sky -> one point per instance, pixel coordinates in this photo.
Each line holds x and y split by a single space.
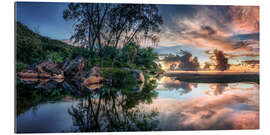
45 15
193 28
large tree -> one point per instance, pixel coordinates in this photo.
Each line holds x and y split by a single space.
219 58
89 21
129 22
98 25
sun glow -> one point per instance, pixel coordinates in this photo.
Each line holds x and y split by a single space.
233 68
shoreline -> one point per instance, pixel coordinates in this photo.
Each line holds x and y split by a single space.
214 77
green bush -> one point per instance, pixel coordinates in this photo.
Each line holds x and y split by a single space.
118 75
54 56
20 66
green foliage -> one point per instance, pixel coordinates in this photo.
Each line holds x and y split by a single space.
56 92
79 51
20 66
28 51
32 47
129 51
54 56
118 76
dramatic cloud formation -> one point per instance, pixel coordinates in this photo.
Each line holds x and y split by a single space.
227 28
182 61
245 19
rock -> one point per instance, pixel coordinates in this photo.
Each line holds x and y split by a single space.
48 67
94 86
44 69
65 63
71 67
94 76
84 79
28 74
138 75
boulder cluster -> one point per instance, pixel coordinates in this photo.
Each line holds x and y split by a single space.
48 74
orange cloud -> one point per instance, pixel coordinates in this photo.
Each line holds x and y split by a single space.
213 27
245 19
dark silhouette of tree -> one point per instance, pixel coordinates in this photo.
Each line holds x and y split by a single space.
220 59
99 25
89 23
206 66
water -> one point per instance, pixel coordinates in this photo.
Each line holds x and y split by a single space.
167 105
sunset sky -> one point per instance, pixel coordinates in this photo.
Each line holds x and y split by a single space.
232 29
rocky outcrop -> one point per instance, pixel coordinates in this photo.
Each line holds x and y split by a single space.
84 79
44 70
71 67
45 75
94 76
48 75
138 75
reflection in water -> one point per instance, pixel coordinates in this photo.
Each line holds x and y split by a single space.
107 108
218 88
181 86
166 105
224 106
221 88
110 112
115 109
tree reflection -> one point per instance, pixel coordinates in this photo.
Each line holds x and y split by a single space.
116 109
218 88
181 86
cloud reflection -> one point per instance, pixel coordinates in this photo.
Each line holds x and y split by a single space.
171 84
224 106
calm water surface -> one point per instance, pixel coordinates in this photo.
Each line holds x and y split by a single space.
167 105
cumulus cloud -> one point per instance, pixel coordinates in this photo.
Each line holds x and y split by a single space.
183 60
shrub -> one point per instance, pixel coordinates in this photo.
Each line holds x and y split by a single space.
20 66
